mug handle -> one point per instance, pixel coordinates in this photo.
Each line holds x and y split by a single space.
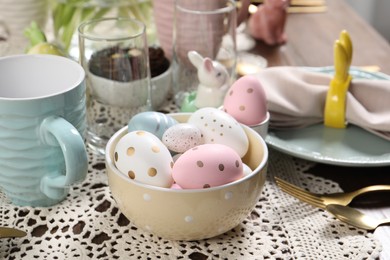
56 131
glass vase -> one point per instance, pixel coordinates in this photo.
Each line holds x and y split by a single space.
67 15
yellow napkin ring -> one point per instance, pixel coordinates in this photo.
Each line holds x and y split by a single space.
335 104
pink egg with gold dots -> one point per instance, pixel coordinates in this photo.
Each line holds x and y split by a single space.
206 166
246 101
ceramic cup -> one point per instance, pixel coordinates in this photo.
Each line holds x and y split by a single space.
42 121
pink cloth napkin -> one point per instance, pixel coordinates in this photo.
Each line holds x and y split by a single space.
296 98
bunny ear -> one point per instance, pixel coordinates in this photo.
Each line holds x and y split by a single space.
208 64
340 61
345 40
195 58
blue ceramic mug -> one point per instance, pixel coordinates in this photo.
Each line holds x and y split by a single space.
42 127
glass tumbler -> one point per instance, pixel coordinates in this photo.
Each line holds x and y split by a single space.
114 55
209 28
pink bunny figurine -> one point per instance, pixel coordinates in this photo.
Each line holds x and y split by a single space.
213 81
268 22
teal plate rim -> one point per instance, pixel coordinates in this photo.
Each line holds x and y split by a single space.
352 146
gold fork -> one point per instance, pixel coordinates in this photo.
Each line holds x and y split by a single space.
321 200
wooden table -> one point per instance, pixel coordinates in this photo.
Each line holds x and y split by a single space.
310 43
311 37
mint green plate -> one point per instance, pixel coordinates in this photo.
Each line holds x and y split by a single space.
352 146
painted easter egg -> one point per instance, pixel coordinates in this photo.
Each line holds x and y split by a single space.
246 101
176 156
176 186
207 165
153 122
142 157
246 170
181 137
219 127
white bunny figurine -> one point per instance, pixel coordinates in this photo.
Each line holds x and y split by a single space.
213 81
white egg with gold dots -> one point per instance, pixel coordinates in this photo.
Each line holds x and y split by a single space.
219 127
142 157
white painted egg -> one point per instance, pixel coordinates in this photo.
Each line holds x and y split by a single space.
153 122
142 157
182 137
207 165
219 127
246 169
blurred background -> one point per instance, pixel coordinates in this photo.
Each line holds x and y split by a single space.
376 13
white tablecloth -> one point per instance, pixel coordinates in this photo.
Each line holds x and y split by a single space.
88 225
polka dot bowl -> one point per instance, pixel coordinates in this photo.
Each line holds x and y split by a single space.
189 214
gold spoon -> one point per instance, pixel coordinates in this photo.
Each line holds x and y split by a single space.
355 217
6 232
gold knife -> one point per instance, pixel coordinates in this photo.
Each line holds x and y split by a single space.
6 232
298 2
296 9
307 9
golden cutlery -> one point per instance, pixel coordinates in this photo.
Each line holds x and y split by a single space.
307 9
7 232
297 6
321 200
297 2
355 218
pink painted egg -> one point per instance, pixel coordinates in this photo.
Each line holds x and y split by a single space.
207 165
176 186
246 101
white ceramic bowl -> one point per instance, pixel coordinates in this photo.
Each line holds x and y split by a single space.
129 94
189 214
161 87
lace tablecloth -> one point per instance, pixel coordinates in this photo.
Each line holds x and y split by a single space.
88 225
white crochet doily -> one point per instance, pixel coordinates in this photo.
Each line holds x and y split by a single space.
88 225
